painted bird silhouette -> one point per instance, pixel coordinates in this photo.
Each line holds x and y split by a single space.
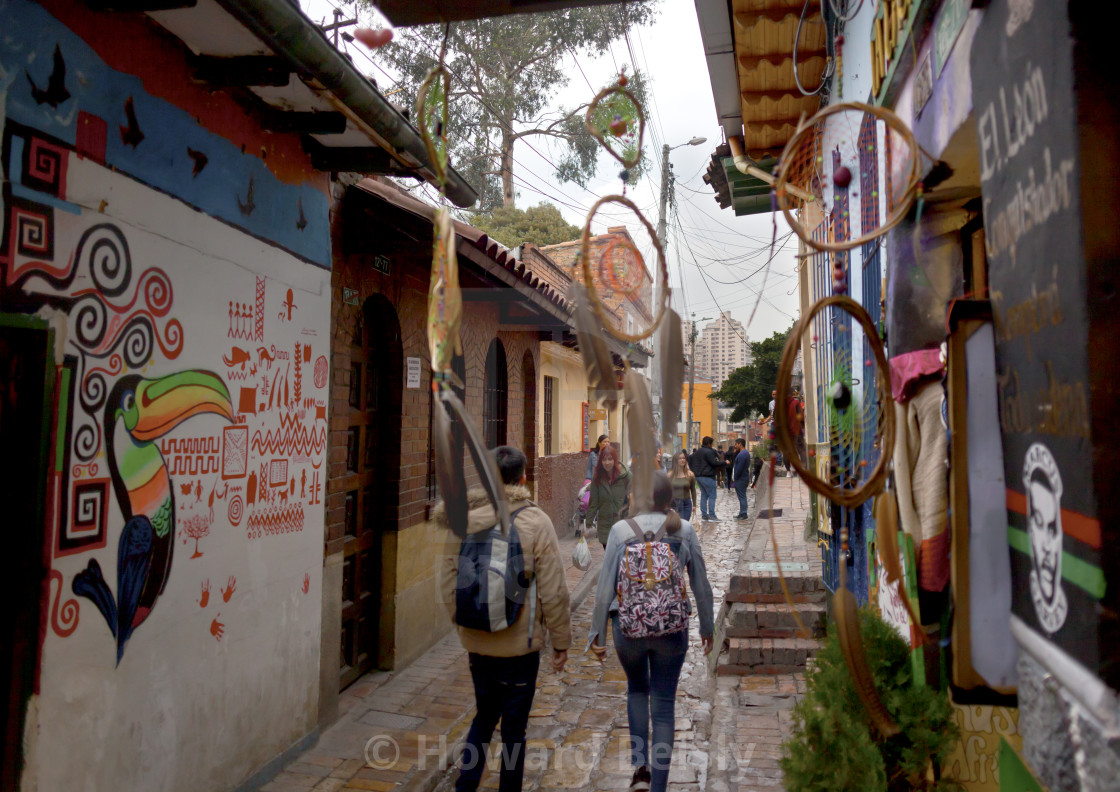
302 222
131 134
137 413
249 205
55 93
200 160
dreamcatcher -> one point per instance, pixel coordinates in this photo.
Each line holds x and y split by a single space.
445 312
616 119
855 425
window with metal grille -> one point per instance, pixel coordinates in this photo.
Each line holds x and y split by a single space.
495 396
549 394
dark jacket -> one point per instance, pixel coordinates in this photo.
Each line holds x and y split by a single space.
705 461
742 465
607 500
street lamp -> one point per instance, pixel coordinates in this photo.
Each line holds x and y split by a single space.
661 237
692 368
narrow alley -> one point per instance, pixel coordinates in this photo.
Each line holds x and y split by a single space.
401 731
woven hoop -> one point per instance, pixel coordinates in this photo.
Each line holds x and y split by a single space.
787 162
848 498
593 295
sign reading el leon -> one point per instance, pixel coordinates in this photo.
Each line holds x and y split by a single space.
1023 95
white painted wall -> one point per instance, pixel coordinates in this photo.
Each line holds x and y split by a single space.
188 708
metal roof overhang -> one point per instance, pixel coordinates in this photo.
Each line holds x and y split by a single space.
300 82
753 40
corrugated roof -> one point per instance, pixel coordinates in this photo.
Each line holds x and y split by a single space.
764 33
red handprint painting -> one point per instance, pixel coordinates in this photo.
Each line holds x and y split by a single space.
231 586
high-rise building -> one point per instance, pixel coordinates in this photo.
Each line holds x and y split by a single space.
721 348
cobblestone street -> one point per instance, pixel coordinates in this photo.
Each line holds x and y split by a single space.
401 731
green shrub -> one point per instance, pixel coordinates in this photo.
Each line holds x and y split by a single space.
834 746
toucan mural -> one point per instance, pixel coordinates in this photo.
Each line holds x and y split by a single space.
137 413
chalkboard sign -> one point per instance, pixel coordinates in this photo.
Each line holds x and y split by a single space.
1023 95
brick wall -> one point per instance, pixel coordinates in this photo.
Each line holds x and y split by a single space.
559 478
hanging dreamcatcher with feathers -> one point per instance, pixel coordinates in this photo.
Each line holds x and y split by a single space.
860 429
445 313
616 119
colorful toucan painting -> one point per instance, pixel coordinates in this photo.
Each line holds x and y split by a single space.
137 413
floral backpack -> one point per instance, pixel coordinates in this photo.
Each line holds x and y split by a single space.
651 595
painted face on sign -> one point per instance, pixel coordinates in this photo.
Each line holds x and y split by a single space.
1046 538
1043 484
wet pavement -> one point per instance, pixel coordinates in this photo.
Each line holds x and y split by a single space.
402 731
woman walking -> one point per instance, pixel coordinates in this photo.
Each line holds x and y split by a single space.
653 663
684 486
593 457
610 488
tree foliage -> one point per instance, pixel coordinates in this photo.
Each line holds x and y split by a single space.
833 747
541 224
747 390
505 72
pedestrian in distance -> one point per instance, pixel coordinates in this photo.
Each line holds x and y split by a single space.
706 463
650 624
593 457
729 458
740 473
796 413
504 657
684 486
610 493
758 457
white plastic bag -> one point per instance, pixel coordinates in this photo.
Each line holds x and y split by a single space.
581 554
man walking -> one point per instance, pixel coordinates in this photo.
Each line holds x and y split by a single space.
706 464
504 663
740 474
796 415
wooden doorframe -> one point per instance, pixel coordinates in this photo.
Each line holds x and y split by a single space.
371 489
24 570
529 416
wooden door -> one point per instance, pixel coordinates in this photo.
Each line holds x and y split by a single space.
26 382
371 492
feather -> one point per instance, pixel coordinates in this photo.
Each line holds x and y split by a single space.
639 419
445 301
886 533
600 370
672 373
846 613
484 462
448 448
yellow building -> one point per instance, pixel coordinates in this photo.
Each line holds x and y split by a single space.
704 414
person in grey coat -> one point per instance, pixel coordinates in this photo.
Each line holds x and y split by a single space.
653 664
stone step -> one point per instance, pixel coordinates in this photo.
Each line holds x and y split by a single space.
764 586
773 620
743 656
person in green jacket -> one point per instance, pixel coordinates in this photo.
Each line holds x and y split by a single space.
610 491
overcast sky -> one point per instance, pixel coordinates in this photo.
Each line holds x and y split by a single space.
719 257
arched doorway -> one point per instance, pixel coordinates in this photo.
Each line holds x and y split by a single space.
529 414
495 396
371 486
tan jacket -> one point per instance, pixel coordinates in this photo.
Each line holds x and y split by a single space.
542 558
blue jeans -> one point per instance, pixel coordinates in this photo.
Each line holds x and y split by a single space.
683 507
653 668
503 690
707 497
741 491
